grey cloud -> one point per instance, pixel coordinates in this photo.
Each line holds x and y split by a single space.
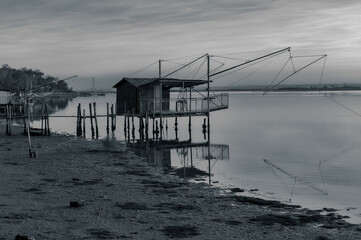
102 37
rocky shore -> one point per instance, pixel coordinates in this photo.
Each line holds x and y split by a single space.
78 189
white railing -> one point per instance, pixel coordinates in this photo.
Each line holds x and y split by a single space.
176 105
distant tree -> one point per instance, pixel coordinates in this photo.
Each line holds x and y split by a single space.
16 80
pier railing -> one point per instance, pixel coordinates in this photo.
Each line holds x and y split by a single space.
184 106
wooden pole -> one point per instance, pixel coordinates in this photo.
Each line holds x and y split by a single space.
146 125
31 150
91 119
128 121
208 99
114 119
108 118
153 127
133 128
140 127
156 129
204 129
77 121
96 121
78 128
28 130
84 123
176 124
190 117
10 116
45 123
208 124
47 130
42 119
161 111
7 119
125 122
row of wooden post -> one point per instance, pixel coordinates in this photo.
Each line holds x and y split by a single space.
129 127
80 123
10 115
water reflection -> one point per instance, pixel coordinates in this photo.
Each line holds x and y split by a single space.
278 171
309 137
181 157
54 105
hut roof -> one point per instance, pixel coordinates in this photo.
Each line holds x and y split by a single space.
167 82
136 82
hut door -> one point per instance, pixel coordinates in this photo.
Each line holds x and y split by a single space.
157 96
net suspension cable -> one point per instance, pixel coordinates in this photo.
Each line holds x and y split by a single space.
284 79
257 70
244 66
331 98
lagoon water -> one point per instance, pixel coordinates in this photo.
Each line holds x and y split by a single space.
298 148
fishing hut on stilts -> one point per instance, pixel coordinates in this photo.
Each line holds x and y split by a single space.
149 99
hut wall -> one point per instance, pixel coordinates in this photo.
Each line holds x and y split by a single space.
146 99
4 97
166 98
126 98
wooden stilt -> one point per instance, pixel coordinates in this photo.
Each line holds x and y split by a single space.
7 119
96 121
84 123
47 130
91 119
161 127
176 128
190 128
156 130
113 118
204 128
107 117
45 123
140 128
128 128
42 124
133 127
125 125
10 118
78 122
146 125
153 128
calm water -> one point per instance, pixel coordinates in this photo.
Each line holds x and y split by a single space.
298 148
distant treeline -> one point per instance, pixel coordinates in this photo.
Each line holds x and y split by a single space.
16 80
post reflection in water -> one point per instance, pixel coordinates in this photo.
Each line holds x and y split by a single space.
180 158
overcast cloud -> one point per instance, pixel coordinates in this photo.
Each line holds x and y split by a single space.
108 39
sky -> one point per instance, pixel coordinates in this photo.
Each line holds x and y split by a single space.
110 39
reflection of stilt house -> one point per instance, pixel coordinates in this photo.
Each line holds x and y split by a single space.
159 153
